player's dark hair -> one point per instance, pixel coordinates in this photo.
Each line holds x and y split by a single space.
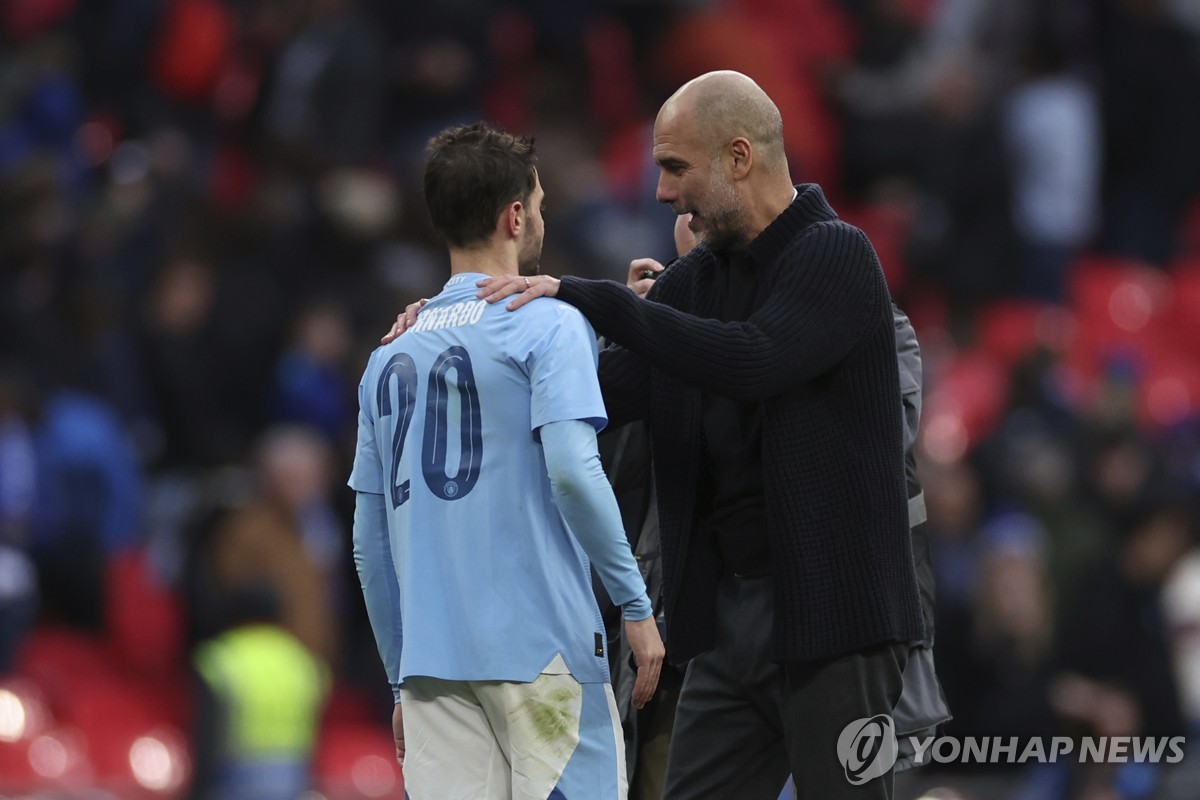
473 172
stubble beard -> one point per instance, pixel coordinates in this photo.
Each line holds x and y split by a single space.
723 227
530 261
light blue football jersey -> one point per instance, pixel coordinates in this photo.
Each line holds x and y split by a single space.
489 581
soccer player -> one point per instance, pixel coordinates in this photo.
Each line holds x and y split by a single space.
480 501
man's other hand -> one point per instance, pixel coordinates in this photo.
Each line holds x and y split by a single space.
638 280
404 321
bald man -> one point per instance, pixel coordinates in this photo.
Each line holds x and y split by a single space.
765 363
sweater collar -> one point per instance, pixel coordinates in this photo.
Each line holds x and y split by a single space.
808 207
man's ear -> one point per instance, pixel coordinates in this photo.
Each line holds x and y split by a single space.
513 219
742 153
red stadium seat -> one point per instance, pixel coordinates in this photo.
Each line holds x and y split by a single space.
26 19
24 713
1122 308
357 761
1183 320
87 725
55 760
192 47
61 661
1010 330
141 762
814 32
1145 322
1119 294
145 619
1169 390
347 706
963 405
130 741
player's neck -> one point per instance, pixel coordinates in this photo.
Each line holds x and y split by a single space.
487 261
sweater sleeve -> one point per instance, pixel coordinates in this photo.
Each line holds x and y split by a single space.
827 291
625 383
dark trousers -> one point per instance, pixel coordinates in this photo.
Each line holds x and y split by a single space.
744 721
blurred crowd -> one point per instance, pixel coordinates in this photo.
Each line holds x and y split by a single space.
210 210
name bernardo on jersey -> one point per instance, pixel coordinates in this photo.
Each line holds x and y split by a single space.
467 312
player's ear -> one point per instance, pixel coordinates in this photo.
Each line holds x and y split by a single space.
513 219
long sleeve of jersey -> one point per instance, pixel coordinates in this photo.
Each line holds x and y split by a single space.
585 498
377 574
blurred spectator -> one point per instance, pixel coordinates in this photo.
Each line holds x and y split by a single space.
18 488
207 343
325 106
962 237
1115 643
953 499
183 378
1031 462
258 703
312 386
973 40
440 62
1052 134
1118 677
998 659
88 501
45 107
1123 467
1152 122
1181 603
928 114
286 539
880 143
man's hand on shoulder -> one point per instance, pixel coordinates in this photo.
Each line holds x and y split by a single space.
497 288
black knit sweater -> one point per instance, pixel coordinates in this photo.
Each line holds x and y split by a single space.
819 356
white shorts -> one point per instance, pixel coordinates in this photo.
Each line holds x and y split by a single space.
495 740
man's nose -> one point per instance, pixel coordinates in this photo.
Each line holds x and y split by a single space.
665 193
